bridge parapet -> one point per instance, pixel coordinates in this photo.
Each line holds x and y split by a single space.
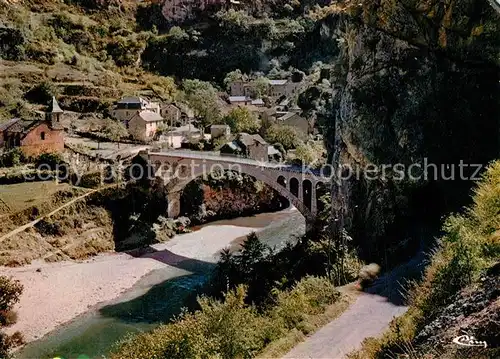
295 183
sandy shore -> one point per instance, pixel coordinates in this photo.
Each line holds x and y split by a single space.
55 293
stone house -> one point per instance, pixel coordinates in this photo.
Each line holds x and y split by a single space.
293 119
250 146
283 88
128 107
217 131
143 125
277 88
34 137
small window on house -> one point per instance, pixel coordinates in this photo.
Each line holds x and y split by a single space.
42 136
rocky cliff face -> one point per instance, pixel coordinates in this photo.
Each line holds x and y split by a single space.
475 311
415 82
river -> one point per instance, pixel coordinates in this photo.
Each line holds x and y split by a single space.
159 295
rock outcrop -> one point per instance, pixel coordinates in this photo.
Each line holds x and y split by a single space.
416 84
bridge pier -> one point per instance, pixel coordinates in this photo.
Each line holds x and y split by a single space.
174 204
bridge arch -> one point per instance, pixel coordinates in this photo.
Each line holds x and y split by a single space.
294 186
282 181
175 184
307 193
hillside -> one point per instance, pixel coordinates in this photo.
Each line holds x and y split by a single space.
390 83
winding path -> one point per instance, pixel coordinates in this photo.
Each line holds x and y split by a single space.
369 316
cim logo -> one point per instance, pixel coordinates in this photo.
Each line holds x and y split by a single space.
469 341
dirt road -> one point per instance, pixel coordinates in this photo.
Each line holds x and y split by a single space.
367 317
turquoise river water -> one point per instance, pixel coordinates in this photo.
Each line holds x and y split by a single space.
153 300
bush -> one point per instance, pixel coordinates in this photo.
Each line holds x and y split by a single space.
12 158
48 228
90 180
42 93
309 297
286 135
230 328
50 160
10 292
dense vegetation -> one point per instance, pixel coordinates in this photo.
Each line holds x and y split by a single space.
470 245
231 328
10 292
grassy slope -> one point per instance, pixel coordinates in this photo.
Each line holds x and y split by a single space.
76 52
470 245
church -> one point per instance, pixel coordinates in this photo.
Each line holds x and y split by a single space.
34 137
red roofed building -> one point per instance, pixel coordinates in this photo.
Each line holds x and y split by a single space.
34 137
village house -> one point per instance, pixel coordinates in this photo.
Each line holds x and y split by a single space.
293 119
277 88
128 107
179 136
218 131
170 112
251 146
34 137
283 88
304 126
143 125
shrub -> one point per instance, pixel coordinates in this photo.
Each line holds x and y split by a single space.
12 158
90 180
230 328
467 247
286 135
10 292
42 93
310 296
368 273
52 160
48 228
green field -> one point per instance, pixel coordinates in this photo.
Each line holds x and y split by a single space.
16 197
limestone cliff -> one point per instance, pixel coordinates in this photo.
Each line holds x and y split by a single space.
415 80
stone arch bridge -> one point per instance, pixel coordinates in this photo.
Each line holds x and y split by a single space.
177 168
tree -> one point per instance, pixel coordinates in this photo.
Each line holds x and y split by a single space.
114 130
163 87
232 76
241 119
305 154
261 86
202 97
286 135
10 292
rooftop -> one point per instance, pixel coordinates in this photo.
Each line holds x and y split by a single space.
248 139
150 116
286 116
271 151
54 106
238 99
277 82
133 99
